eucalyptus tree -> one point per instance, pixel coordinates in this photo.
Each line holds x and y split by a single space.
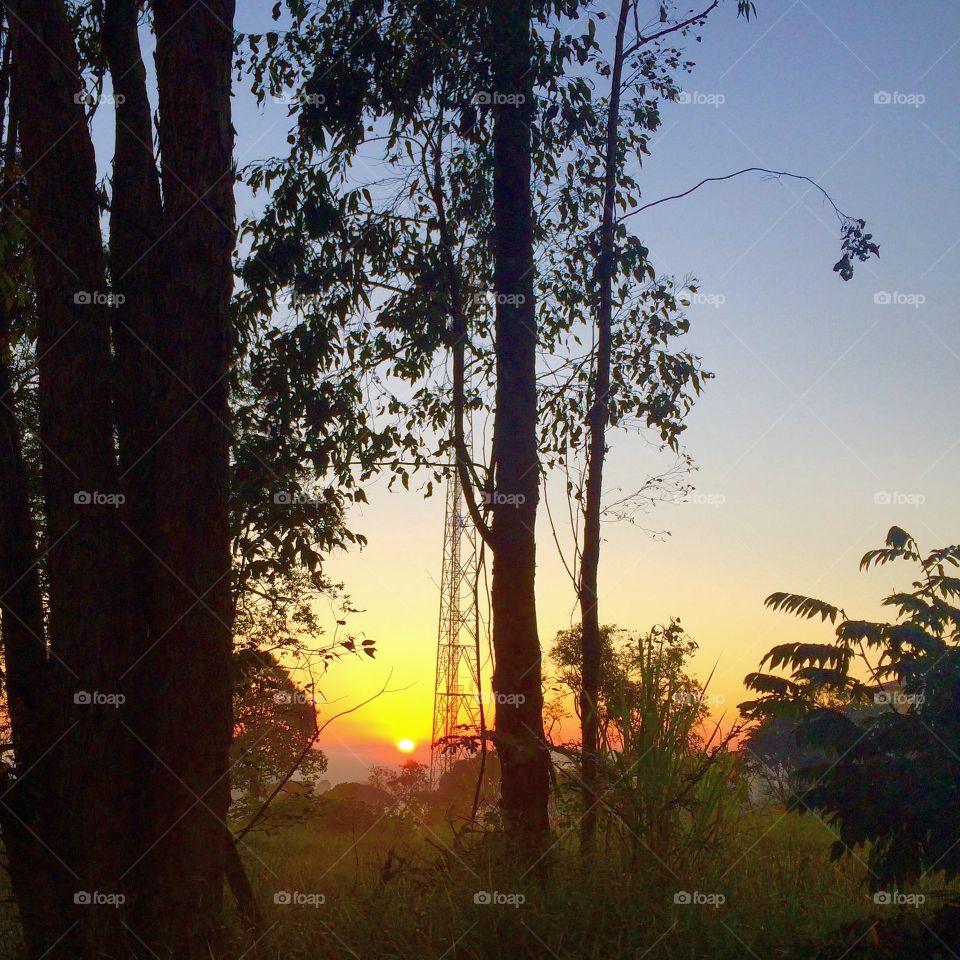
601 274
397 271
450 247
630 376
521 748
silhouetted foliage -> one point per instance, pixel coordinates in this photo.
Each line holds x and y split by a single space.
274 720
890 782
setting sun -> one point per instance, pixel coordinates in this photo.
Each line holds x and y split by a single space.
406 746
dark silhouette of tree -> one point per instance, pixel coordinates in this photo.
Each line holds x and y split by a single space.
521 748
484 183
274 719
646 380
409 786
120 701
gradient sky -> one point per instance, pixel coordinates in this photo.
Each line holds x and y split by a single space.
825 401
823 398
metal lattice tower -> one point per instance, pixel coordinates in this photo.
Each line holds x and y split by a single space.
456 703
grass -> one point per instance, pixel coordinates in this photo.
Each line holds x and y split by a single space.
397 890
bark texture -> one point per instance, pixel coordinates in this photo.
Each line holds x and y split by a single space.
125 800
524 758
188 658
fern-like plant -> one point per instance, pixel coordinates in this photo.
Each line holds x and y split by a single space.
882 703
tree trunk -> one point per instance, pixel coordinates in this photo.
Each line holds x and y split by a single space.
82 770
135 215
242 889
189 659
597 419
168 572
21 610
521 748
134 256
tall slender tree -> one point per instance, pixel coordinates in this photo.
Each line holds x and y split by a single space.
612 155
647 380
521 748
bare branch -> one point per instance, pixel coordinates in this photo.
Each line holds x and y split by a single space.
682 25
777 174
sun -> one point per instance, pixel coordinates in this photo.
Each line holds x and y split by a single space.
406 746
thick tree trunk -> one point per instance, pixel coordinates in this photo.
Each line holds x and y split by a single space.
135 224
169 570
21 606
521 747
189 657
598 418
22 629
82 770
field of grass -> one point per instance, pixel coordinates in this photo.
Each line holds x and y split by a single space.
403 890
396 889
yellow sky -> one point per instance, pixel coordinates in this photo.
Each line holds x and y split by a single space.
722 560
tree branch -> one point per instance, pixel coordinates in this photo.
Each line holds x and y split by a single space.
773 173
643 41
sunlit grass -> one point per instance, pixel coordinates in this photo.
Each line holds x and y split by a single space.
398 890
